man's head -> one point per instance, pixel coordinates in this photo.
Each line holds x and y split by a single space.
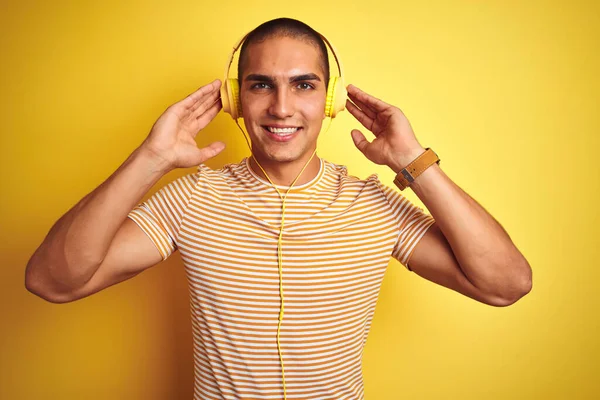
283 71
284 27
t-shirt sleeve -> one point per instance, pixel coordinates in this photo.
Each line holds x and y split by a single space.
412 221
160 216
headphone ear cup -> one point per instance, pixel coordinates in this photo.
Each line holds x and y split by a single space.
225 96
335 101
230 98
235 97
329 97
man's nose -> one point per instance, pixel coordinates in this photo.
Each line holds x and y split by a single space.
281 104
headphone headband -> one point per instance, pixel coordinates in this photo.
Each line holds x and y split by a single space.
239 43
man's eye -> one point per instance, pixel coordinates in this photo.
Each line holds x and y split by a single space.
260 85
305 86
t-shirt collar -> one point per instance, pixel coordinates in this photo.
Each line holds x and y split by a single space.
305 186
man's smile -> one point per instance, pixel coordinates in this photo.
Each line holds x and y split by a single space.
281 133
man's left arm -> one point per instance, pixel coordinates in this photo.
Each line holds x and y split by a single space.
466 249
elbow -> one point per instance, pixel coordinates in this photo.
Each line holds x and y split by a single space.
40 288
520 286
54 298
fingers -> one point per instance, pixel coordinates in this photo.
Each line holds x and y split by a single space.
201 106
363 107
193 155
200 94
209 113
359 140
369 101
210 151
360 115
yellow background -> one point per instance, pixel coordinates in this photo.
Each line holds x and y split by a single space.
506 92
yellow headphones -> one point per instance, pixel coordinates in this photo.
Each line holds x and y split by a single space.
334 102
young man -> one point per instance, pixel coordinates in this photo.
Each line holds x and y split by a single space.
324 267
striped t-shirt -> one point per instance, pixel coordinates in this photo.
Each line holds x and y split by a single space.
339 234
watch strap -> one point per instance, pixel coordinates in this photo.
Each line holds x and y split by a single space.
408 174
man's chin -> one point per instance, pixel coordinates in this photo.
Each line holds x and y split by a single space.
278 156
281 158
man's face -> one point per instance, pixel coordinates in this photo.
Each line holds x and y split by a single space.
283 99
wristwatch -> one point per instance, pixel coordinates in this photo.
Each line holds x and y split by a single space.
407 175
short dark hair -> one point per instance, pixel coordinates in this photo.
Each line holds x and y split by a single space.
284 27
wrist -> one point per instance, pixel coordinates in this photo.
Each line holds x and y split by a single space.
154 161
407 175
400 161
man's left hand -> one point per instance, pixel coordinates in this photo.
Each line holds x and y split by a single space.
395 144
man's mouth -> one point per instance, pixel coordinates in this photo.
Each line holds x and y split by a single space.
281 134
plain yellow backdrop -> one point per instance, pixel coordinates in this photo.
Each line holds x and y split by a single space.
506 92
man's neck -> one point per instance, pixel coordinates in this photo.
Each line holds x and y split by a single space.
284 173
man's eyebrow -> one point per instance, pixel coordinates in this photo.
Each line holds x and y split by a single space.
259 78
305 77
270 79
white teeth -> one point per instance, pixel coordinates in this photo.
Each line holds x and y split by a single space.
282 131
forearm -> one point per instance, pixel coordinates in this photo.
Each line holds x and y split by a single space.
483 249
78 242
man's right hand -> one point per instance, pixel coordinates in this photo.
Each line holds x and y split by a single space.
94 245
172 138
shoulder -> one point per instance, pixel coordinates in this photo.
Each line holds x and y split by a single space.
226 171
369 188
227 180
340 172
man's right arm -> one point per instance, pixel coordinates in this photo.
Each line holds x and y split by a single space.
96 232
94 245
